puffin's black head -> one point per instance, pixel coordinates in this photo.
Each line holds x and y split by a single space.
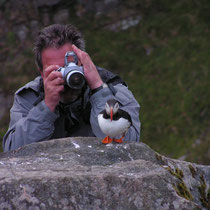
111 107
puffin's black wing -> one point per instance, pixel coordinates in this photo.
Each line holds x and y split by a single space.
122 114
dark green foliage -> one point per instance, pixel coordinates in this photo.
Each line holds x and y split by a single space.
171 83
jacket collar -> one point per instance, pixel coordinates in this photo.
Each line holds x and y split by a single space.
36 85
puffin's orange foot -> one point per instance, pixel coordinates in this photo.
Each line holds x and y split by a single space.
107 140
119 140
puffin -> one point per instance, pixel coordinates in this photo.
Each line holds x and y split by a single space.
113 122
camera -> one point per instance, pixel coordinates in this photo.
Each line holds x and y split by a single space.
72 74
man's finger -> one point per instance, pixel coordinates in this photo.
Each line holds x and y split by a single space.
49 69
58 81
54 75
76 49
83 56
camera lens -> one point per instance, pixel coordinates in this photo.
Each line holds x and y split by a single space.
76 80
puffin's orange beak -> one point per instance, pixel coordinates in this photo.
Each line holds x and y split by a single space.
111 114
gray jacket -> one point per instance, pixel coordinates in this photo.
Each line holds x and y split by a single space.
32 121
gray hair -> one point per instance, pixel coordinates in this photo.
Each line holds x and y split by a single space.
56 36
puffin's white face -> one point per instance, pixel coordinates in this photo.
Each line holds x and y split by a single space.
111 110
115 108
107 107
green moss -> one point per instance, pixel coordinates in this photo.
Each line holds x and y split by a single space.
204 198
181 188
160 159
177 173
192 170
183 191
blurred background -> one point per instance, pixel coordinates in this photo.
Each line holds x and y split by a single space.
160 48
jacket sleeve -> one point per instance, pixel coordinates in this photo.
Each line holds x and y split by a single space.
28 123
128 104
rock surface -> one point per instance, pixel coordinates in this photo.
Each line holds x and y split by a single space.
81 173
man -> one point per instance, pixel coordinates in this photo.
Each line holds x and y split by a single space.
47 108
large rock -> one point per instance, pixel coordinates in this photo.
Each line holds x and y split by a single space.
81 173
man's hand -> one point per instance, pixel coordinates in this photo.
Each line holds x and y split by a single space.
53 86
91 74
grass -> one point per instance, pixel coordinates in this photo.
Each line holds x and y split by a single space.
171 83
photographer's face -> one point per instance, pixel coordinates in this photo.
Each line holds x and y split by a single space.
55 56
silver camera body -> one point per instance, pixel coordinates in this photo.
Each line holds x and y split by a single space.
72 74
